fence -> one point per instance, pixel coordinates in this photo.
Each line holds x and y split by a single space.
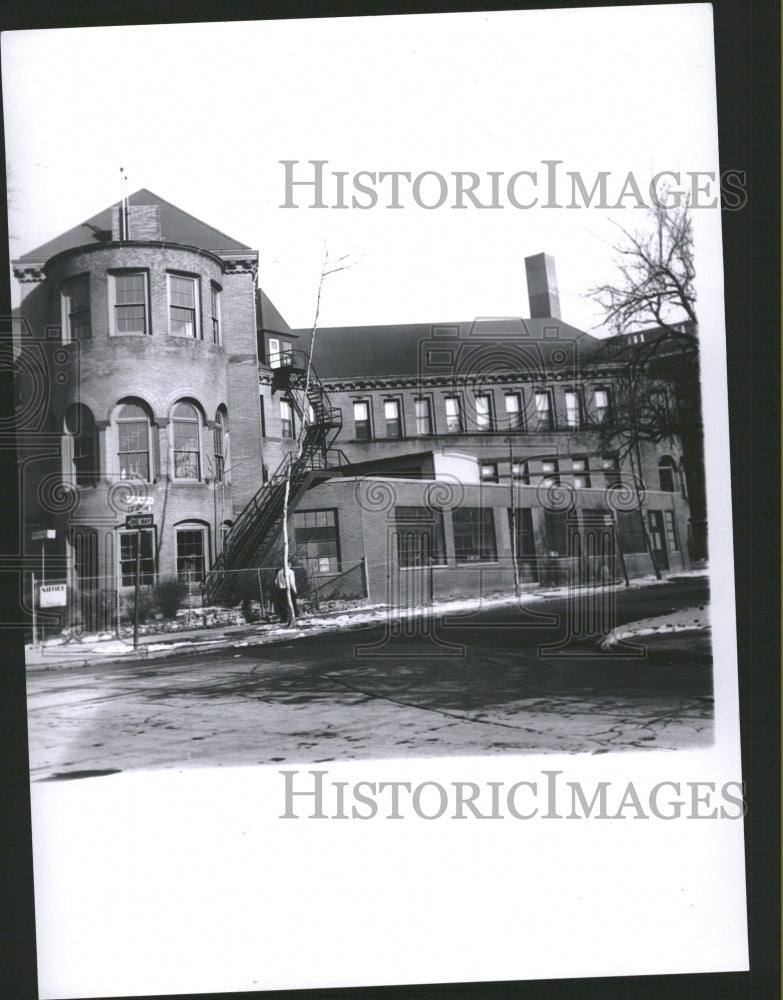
245 586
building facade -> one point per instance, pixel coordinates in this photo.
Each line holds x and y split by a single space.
151 379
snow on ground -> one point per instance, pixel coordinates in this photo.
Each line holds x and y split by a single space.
684 620
107 645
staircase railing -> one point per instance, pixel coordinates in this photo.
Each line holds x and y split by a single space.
257 527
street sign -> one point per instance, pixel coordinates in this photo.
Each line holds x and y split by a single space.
139 505
52 595
46 534
138 521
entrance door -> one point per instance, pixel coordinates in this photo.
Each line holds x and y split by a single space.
658 539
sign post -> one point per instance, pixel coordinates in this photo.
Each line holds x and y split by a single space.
35 630
137 521
42 536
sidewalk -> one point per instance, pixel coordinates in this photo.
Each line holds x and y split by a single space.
106 648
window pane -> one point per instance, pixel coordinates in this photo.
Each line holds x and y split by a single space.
128 549
130 319
483 413
474 534
556 532
183 291
361 416
133 444
671 531
453 421
190 554
630 531
317 540
286 418
391 410
420 537
423 420
187 451
129 289
513 410
572 409
666 474
543 411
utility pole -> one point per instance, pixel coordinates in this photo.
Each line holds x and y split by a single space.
514 545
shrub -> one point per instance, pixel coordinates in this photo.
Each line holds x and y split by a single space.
169 593
147 605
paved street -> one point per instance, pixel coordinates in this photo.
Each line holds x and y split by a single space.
491 690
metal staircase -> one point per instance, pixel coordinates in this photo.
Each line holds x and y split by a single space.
258 526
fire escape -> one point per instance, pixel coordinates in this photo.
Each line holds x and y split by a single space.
258 527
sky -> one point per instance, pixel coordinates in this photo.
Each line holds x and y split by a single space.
203 115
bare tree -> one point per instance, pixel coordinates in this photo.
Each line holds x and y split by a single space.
328 268
653 357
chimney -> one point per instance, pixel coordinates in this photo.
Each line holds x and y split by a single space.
542 287
143 223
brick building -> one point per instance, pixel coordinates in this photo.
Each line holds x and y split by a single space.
155 376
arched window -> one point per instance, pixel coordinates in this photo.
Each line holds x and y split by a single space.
187 441
666 469
80 424
220 444
133 442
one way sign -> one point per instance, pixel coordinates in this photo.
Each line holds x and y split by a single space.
138 521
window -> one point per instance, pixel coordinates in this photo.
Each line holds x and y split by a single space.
489 472
513 410
129 292
423 416
317 540
190 554
474 535
610 465
556 532
666 469
129 546
630 531
520 471
187 450
581 469
671 531
80 425
219 437
286 418
76 308
420 537
183 297
453 415
543 402
550 472
572 409
262 415
133 442
601 403
281 352
483 413
215 303
391 412
361 419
